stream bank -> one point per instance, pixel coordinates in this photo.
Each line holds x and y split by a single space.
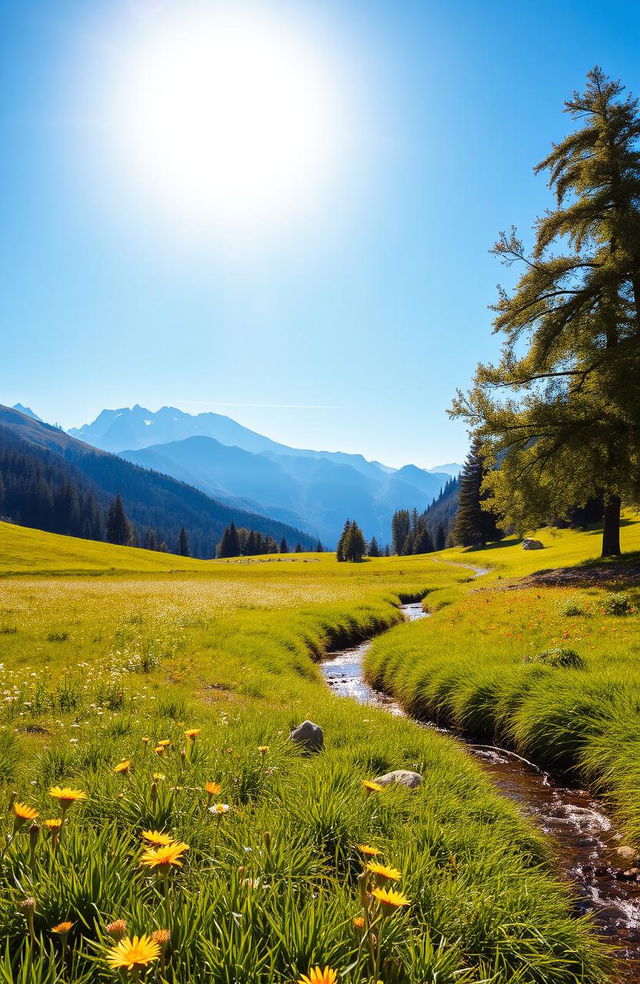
584 838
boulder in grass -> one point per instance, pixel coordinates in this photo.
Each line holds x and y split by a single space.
403 777
529 544
308 736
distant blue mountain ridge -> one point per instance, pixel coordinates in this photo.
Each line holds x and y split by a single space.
314 490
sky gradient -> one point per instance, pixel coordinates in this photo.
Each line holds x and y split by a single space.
346 327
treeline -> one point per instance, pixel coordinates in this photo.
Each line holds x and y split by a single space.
420 533
242 542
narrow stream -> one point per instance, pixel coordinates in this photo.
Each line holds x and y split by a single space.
585 840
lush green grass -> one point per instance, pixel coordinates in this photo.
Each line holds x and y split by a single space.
92 665
475 666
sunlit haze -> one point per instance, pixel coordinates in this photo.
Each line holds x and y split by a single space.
224 114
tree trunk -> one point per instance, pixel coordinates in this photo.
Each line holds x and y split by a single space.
611 527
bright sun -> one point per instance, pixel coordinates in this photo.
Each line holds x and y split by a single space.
225 115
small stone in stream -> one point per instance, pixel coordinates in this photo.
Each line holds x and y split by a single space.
308 736
401 776
627 853
530 544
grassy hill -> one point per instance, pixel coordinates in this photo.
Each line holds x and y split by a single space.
103 670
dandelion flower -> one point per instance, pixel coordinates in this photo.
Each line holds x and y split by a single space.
146 741
66 796
158 777
159 749
371 786
219 808
117 930
263 749
123 767
164 742
367 850
157 837
383 871
164 857
133 953
63 928
390 901
358 923
192 733
212 788
319 976
54 824
23 812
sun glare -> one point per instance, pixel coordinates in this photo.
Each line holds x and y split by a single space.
225 115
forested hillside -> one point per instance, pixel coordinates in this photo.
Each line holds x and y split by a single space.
52 482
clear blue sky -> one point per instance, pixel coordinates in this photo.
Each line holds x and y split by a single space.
345 327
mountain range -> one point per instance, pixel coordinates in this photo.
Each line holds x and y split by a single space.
55 482
313 490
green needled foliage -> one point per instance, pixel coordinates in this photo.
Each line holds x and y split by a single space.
559 414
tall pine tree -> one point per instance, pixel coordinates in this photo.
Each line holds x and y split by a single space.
475 525
119 529
560 413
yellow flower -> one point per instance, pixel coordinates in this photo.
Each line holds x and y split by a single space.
192 733
157 837
372 787
319 976
159 749
158 777
66 796
164 742
53 824
370 852
383 871
164 857
358 923
63 928
133 953
24 812
123 766
390 901
212 788
146 740
263 749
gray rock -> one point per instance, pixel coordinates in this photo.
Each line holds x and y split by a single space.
308 736
401 776
532 545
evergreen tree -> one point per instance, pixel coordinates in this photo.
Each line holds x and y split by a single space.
319 547
284 546
271 546
119 528
422 543
400 529
298 548
373 549
183 544
407 546
475 525
250 545
341 542
354 546
559 413
441 537
387 550
229 545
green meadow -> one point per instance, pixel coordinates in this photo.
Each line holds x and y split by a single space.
136 679
552 672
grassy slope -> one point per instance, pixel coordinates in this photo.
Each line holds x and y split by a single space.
93 665
472 666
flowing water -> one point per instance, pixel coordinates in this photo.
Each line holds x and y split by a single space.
584 837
